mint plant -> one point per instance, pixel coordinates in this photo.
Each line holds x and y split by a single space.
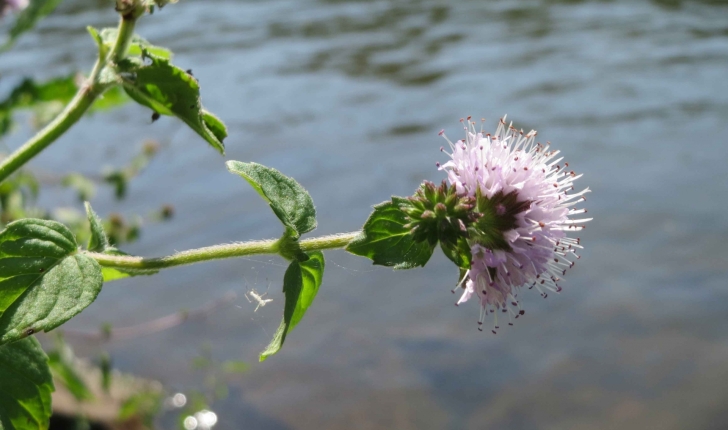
503 217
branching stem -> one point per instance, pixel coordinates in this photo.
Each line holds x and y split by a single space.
84 98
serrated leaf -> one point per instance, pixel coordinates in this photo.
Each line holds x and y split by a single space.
28 17
25 386
289 200
44 281
169 90
300 286
387 242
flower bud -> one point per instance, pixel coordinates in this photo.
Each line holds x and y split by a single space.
438 213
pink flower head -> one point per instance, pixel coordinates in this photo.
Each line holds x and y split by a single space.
523 192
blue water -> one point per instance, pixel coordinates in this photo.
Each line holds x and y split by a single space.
348 97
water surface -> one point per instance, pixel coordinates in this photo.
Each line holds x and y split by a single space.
348 97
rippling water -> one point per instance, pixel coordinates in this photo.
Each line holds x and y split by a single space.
347 97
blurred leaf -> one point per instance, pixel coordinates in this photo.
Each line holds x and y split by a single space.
108 38
289 200
106 375
44 281
144 406
387 242
17 193
169 90
62 364
47 99
111 98
159 3
201 362
28 17
300 286
118 180
29 94
235 367
82 185
25 386
103 49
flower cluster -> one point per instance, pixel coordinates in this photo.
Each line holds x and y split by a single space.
522 197
439 214
7 6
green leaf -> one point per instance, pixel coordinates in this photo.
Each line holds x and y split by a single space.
108 36
233 367
103 49
169 90
387 242
84 186
300 286
62 362
98 241
44 281
289 200
458 253
142 406
159 3
47 99
28 17
25 386
106 374
111 98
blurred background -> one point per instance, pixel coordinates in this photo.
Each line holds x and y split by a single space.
347 97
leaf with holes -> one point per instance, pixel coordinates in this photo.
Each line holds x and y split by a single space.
44 281
300 286
25 386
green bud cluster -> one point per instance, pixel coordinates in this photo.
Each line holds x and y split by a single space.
438 213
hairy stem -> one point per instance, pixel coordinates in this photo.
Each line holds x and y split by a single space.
84 98
219 252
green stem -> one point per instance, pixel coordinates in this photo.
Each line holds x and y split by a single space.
123 39
219 252
75 109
